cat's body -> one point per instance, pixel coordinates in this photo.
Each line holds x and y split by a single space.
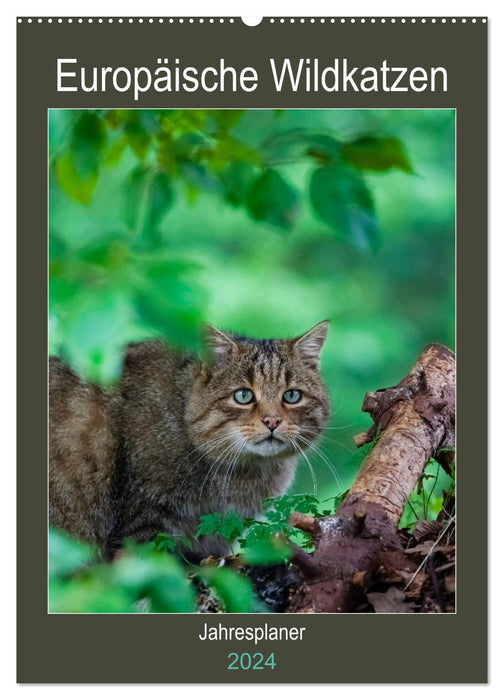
179 439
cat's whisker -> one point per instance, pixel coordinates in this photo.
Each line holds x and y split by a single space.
312 471
316 433
231 468
329 427
205 449
324 457
215 466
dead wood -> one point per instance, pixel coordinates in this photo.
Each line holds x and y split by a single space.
359 546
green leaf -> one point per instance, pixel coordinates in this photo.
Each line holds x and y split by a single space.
156 575
285 146
72 183
67 554
270 198
292 145
343 201
266 552
165 542
97 325
88 595
377 153
234 590
229 525
236 179
88 142
137 138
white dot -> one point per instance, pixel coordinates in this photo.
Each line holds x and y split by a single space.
373 20
433 21
80 20
221 20
403 20
151 20
191 21
393 20
484 21
181 21
120 20
201 20
140 21
424 20
161 20
231 21
333 20
322 21
29 21
39 21
170 20
130 20
272 21
90 21
312 20
282 20
352 21
443 20
342 20
454 20
464 21
60 20
292 20
383 20
413 20
100 21
211 20
302 20
70 20
363 20
474 21
50 20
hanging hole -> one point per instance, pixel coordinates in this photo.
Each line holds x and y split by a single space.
251 21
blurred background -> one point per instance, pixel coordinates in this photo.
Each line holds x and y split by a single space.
262 222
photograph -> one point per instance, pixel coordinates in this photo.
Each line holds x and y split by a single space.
251 368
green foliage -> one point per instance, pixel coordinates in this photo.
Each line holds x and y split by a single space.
270 198
79 584
234 590
378 153
105 289
67 555
429 496
228 525
342 199
150 578
266 541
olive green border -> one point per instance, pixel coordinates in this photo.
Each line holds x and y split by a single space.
337 648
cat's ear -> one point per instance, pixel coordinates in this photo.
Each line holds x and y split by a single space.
218 342
309 345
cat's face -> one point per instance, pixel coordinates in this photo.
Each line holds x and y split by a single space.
259 397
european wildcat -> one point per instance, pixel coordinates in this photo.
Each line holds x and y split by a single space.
180 438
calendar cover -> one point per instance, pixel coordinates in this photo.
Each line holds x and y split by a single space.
252 337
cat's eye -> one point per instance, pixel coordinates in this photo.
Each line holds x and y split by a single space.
244 396
292 396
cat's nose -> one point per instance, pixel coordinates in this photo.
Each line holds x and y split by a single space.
271 422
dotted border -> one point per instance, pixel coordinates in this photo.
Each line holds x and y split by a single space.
266 20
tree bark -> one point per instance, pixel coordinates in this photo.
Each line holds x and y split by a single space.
359 546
